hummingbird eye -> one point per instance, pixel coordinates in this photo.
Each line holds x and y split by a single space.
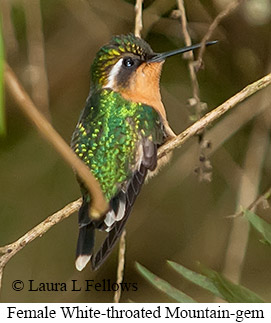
128 62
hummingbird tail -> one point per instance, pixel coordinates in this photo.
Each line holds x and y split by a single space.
85 242
85 245
117 228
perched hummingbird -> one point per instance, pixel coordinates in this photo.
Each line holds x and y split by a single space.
118 134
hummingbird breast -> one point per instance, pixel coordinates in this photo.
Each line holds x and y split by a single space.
144 87
109 135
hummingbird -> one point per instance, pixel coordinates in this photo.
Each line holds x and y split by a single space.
117 136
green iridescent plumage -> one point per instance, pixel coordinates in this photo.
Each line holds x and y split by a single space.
108 135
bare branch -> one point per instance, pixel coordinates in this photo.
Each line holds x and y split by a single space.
214 115
99 203
138 18
51 135
190 55
121 263
262 199
204 170
11 249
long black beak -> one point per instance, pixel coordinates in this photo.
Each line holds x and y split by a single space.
162 56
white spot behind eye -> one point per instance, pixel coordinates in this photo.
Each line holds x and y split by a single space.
113 73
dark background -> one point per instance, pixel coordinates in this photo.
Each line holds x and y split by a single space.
175 217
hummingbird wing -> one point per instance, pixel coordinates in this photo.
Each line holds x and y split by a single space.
128 197
118 141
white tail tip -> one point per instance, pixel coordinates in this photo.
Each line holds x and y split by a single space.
81 262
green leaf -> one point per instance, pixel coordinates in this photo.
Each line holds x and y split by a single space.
2 111
259 224
196 278
164 286
231 292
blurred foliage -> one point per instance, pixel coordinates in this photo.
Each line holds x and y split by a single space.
165 287
259 224
212 281
230 292
2 108
175 216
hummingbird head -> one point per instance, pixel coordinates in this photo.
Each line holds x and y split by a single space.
128 65
117 61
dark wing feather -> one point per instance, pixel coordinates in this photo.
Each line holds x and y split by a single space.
149 161
133 190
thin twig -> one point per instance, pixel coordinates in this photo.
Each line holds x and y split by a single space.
121 260
121 263
204 170
259 200
138 17
213 115
224 13
190 55
24 102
